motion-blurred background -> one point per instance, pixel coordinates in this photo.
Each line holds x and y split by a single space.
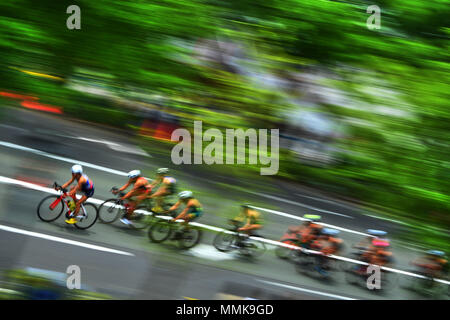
363 114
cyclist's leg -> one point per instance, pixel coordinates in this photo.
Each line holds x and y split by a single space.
132 202
159 202
78 205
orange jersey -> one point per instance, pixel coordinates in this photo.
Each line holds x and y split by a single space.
142 184
309 233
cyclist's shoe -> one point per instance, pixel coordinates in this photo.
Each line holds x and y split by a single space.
71 221
125 221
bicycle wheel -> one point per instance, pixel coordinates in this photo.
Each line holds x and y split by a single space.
408 282
305 264
109 211
389 280
283 252
45 211
351 276
255 248
142 218
189 238
159 231
223 241
90 215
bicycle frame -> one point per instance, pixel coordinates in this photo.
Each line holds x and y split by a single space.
62 198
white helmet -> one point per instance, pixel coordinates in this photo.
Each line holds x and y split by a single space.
134 174
185 194
77 169
162 171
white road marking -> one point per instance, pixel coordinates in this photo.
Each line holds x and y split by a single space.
117 147
300 204
326 201
72 161
216 229
208 252
306 290
387 219
63 240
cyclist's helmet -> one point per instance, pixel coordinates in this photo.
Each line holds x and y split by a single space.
185 195
376 233
436 253
312 217
77 169
330 232
162 171
134 174
381 243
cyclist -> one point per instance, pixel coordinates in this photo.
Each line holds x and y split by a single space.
167 188
139 192
309 230
193 208
85 185
366 244
252 220
378 253
327 244
433 264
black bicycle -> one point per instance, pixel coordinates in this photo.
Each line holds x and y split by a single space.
111 209
230 240
317 265
51 207
166 229
425 286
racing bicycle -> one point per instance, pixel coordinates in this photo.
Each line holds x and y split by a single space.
51 207
143 216
164 229
232 239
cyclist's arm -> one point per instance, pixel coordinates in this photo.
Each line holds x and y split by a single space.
68 183
256 225
191 204
160 191
183 213
125 186
175 206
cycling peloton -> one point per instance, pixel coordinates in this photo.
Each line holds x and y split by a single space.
139 192
85 185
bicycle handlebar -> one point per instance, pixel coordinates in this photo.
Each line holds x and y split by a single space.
57 186
121 194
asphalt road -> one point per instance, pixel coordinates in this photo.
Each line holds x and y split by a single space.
159 271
